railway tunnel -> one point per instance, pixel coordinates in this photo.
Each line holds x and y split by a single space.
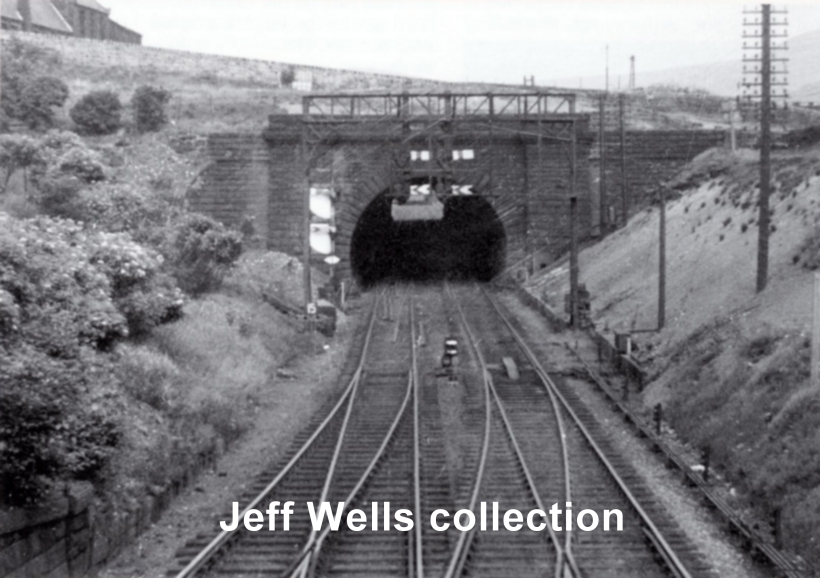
468 243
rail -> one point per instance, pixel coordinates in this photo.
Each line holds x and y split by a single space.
207 554
666 552
459 556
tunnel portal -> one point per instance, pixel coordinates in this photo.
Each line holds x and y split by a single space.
468 243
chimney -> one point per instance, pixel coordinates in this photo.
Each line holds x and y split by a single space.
24 8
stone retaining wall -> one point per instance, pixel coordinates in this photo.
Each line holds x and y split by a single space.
73 536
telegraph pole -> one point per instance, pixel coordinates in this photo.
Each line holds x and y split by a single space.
662 261
602 200
624 199
815 334
305 157
765 152
573 233
762 57
573 262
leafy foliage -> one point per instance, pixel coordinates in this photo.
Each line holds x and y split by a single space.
39 98
66 296
287 76
21 63
202 251
53 424
98 112
148 104
61 165
16 152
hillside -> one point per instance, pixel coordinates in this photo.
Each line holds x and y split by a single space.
210 92
722 77
731 366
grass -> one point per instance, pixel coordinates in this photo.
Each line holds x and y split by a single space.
752 405
196 381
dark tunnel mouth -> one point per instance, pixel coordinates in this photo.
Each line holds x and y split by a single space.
468 244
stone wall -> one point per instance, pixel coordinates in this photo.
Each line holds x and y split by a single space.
235 183
652 157
105 54
73 536
526 182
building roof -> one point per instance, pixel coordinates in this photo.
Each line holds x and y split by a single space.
8 9
93 5
43 14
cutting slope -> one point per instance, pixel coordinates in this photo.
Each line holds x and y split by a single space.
731 366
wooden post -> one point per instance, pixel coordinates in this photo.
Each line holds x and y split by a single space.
662 262
573 262
306 281
602 200
815 335
624 198
573 230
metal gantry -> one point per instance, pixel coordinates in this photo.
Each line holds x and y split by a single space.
437 120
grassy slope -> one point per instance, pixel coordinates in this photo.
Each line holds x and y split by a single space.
732 365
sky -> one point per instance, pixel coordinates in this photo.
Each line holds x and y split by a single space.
458 40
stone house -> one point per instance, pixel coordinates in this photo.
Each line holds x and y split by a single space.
80 18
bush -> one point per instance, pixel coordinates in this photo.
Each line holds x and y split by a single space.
148 376
142 294
20 62
16 152
287 76
73 288
51 427
38 100
66 296
60 166
148 104
202 251
98 112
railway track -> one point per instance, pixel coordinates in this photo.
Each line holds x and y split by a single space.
357 454
530 415
523 443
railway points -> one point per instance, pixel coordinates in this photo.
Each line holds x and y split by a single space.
498 476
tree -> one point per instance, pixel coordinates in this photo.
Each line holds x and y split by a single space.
39 98
20 63
287 76
201 252
98 112
148 104
16 152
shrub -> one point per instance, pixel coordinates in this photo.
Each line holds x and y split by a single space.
19 63
60 166
58 194
142 294
148 376
74 288
50 426
16 152
81 163
148 104
202 251
38 100
98 112
287 76
66 296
